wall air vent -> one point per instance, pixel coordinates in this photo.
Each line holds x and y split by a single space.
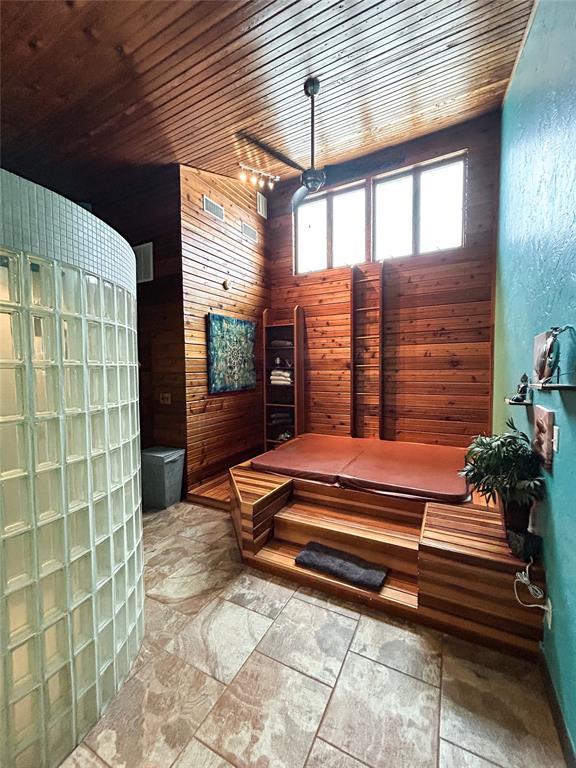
262 205
214 209
249 232
144 262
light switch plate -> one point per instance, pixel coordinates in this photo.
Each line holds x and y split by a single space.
544 434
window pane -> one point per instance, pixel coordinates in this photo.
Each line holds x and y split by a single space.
393 218
311 236
349 228
441 204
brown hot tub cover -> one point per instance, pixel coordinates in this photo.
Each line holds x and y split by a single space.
413 469
408 468
311 457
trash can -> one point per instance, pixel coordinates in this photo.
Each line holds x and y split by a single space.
162 469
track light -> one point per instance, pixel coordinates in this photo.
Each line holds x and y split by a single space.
257 177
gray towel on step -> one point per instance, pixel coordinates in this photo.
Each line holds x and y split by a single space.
343 566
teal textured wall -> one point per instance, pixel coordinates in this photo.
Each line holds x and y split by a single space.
536 288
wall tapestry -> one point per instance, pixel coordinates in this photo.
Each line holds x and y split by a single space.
230 354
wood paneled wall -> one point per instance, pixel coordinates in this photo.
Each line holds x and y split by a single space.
436 317
146 207
221 429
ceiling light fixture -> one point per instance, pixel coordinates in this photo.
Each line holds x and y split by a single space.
257 177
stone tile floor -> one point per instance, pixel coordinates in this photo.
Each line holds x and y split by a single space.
242 670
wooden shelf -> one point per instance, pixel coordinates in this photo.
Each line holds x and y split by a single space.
551 387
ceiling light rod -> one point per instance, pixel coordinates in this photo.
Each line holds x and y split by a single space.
258 172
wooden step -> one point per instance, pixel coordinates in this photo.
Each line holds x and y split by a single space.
398 597
278 557
213 492
388 543
466 569
401 509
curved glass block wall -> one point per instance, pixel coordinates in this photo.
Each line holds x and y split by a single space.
71 589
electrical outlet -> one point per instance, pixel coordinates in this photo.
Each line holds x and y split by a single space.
556 439
165 398
548 613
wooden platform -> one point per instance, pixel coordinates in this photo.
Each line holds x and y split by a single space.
449 566
466 569
258 497
215 492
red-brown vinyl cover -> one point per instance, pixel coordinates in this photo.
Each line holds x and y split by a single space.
389 466
311 457
416 469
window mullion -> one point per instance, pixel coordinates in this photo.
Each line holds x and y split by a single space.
369 224
416 212
329 232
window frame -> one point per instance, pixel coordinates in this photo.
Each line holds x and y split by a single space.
329 196
369 184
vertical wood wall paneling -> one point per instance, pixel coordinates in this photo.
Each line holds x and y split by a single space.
144 206
366 346
221 429
436 318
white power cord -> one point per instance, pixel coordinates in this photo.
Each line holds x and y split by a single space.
523 577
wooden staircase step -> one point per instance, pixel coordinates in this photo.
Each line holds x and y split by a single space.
388 543
279 557
214 492
398 597
404 510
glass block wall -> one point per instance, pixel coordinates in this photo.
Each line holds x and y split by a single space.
71 589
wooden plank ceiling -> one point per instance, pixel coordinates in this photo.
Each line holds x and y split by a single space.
92 87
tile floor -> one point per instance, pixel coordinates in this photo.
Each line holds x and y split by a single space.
239 670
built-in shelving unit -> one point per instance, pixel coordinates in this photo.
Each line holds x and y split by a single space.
283 344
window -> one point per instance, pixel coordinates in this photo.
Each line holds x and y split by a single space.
441 207
349 228
420 211
393 218
414 211
331 230
311 236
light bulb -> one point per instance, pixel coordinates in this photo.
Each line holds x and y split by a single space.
254 179
270 184
260 182
243 176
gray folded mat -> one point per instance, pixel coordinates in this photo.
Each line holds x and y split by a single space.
354 570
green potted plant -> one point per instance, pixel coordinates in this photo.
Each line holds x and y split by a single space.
505 467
